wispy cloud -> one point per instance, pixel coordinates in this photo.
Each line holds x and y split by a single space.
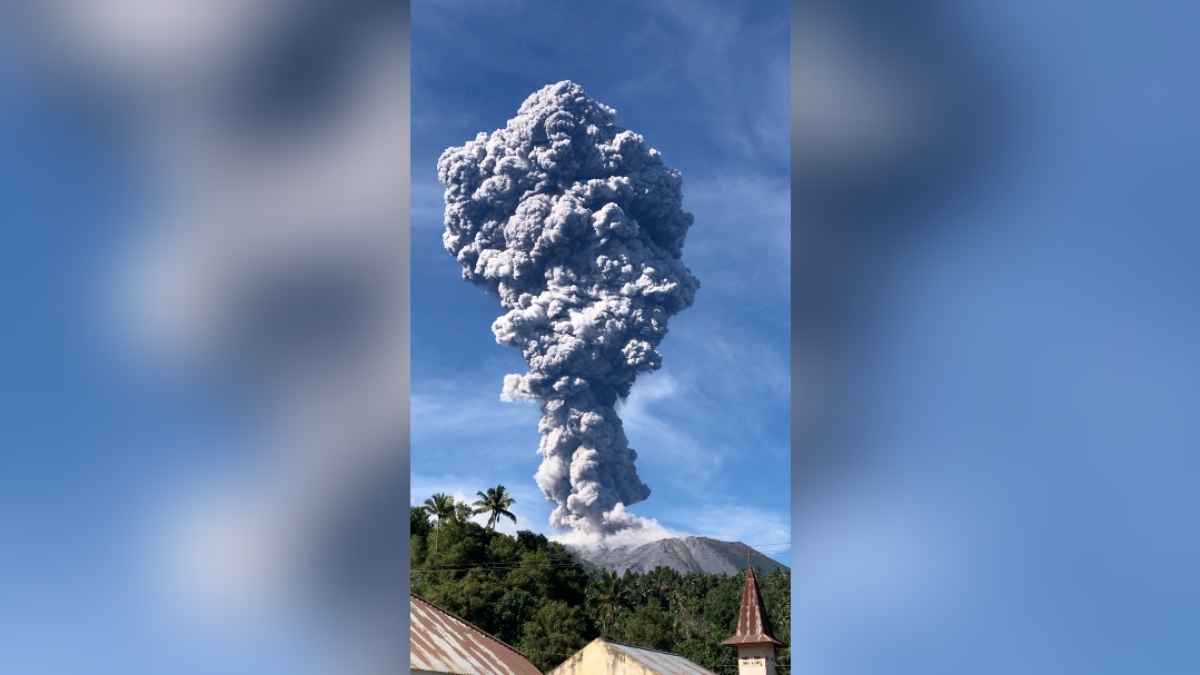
682 414
441 407
740 246
428 201
463 424
769 529
748 116
693 462
465 440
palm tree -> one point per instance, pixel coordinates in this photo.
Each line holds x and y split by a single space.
463 512
439 506
496 501
609 595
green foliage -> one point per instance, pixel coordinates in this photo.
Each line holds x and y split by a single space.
721 604
496 502
418 521
511 611
463 512
533 594
607 598
440 507
557 631
648 626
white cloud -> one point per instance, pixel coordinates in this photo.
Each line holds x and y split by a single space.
634 531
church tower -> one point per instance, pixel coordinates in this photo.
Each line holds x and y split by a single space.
753 640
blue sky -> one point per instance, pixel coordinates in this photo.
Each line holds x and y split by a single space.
709 89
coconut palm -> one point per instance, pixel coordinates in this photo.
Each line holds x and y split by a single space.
439 506
463 512
496 501
609 596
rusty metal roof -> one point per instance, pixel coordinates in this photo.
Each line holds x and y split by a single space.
444 643
753 625
660 662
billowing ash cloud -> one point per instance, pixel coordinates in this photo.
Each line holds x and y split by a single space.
579 227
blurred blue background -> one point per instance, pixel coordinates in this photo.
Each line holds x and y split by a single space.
198 253
999 474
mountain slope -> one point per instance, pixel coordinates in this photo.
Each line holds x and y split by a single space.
683 554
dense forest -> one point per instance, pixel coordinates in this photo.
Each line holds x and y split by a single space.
531 593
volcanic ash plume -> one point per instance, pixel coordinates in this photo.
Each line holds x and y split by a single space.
578 227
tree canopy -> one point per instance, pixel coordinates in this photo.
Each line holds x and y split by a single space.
535 595
496 502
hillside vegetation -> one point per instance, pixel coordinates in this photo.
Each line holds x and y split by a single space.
533 594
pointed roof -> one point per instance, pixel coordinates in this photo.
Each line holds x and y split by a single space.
753 625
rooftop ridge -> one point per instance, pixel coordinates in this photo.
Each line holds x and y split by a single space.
644 649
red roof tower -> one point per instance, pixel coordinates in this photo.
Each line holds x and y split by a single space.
754 640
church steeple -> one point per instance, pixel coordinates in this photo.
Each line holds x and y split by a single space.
753 640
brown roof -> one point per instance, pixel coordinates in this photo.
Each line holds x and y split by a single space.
444 643
753 625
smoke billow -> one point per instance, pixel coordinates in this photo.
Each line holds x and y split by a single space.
579 227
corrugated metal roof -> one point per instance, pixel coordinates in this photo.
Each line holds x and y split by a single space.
753 625
660 662
444 643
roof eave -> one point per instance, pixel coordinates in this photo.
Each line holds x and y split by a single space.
752 640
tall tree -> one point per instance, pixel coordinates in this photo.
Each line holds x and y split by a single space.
526 591
439 506
496 501
463 512
608 595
